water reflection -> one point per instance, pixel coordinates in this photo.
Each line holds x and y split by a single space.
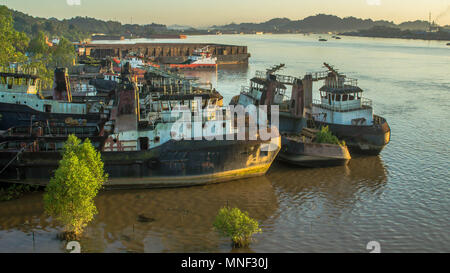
177 219
339 187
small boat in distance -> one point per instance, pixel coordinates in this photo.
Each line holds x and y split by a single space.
322 40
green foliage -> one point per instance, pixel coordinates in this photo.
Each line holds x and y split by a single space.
38 45
237 225
12 42
325 136
63 54
15 191
69 196
44 59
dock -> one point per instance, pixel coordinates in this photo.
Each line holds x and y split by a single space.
168 52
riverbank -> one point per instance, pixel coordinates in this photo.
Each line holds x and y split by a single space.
386 32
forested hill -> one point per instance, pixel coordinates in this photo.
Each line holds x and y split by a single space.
318 23
79 28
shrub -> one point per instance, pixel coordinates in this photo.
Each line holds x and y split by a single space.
69 196
237 225
325 136
16 191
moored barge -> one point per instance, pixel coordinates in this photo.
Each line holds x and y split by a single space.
142 146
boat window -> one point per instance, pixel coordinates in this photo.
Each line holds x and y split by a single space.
3 80
344 97
338 97
358 95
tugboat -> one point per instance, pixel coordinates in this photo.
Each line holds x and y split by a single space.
348 115
21 102
200 59
145 147
299 145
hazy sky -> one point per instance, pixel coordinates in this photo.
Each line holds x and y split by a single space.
210 12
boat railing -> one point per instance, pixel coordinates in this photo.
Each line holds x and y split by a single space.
317 76
260 74
363 103
245 89
342 82
286 79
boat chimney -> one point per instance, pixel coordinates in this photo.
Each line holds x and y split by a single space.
61 86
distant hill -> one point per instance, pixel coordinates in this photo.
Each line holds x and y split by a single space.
440 34
318 23
80 28
416 25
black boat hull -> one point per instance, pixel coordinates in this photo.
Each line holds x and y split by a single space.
312 154
173 164
16 115
362 140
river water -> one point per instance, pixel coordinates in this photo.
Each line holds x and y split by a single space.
400 198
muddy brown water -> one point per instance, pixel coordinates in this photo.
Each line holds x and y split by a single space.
399 198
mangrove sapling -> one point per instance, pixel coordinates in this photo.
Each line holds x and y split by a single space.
237 225
70 194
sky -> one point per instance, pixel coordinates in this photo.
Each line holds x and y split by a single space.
202 13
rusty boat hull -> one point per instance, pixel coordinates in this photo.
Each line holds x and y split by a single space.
360 139
308 154
172 164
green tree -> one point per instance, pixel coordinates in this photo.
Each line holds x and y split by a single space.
12 43
38 45
69 196
64 53
237 225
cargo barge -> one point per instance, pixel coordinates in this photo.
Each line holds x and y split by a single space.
166 53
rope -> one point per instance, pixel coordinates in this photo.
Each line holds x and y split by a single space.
15 157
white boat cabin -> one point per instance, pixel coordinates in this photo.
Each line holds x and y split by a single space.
341 102
23 89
